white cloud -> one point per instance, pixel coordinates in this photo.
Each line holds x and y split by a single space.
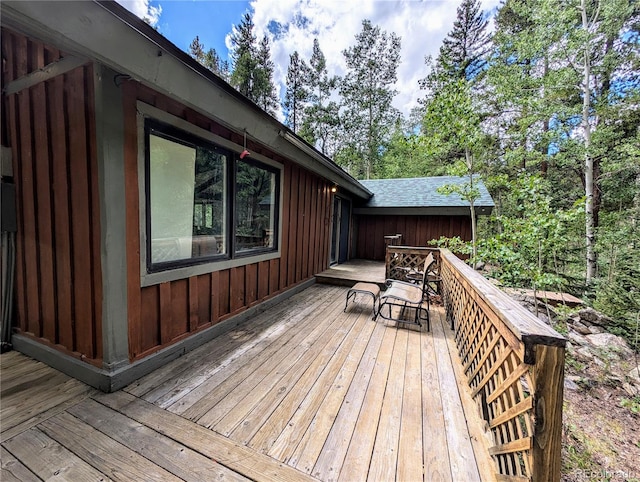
143 9
421 25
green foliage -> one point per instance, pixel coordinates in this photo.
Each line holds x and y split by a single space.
367 92
321 120
297 93
632 404
531 242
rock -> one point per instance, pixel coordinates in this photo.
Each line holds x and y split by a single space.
577 338
581 328
585 353
595 329
570 384
631 390
599 362
610 341
589 314
635 375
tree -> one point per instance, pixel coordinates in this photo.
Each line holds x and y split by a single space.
264 90
196 49
464 50
452 124
297 93
210 59
243 57
367 93
321 114
567 69
214 63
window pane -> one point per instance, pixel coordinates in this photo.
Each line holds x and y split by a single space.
255 207
187 201
209 212
172 169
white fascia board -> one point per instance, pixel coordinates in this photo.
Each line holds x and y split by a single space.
91 30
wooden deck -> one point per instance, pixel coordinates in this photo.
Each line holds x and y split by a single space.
302 391
354 271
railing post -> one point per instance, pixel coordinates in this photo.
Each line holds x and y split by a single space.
548 378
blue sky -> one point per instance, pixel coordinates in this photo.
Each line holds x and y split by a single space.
421 25
181 21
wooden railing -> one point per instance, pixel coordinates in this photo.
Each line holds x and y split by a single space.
514 367
400 259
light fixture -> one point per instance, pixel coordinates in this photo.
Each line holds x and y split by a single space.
334 188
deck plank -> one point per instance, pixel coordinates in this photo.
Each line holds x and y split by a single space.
201 399
462 458
179 375
410 446
385 450
310 362
301 391
12 470
102 452
172 456
291 418
303 413
358 457
480 439
27 408
329 463
435 451
244 382
50 460
227 452
343 370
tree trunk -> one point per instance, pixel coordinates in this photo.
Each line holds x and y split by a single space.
469 160
590 231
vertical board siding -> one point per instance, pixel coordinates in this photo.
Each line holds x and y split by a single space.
51 132
162 314
415 230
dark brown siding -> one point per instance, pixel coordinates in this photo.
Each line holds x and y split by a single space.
415 230
50 128
163 314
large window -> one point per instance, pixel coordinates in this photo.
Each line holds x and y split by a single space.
204 203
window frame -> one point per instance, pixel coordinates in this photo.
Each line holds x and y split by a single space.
182 132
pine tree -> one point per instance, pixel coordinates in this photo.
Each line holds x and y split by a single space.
196 50
297 94
264 90
214 62
452 125
243 56
367 92
464 50
322 114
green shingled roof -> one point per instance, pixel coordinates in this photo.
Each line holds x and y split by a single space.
421 192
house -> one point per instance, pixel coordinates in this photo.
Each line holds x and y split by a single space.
142 232
415 209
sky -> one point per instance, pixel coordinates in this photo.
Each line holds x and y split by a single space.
420 24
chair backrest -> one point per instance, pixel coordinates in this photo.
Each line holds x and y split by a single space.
428 262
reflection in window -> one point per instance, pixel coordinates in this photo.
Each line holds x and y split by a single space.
255 207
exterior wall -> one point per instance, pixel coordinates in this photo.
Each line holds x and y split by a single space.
415 230
163 314
50 128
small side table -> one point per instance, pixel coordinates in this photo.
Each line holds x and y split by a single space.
371 289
